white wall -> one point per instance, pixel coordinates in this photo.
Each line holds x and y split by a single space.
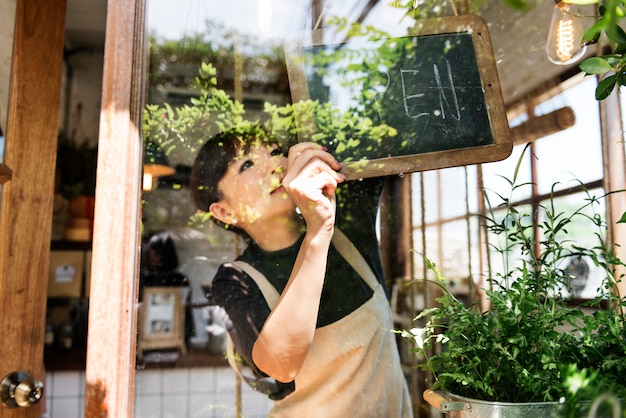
82 84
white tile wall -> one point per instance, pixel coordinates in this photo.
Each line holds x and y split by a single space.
163 393
64 394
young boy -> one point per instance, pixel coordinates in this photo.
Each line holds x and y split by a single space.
326 340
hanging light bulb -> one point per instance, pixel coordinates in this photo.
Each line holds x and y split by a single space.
566 32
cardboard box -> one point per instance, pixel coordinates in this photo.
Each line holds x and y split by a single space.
65 278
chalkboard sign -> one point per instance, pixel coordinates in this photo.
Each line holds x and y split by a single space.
434 97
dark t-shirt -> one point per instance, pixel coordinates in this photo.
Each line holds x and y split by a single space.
344 290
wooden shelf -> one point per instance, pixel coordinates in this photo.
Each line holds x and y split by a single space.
60 359
70 245
189 360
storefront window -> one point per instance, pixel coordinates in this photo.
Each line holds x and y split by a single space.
211 67
237 49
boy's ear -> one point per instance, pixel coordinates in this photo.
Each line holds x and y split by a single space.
221 212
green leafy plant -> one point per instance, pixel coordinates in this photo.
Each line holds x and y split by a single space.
610 67
531 345
173 62
190 125
213 111
348 135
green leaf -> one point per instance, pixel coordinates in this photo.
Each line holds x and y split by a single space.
620 35
592 34
621 78
605 87
595 65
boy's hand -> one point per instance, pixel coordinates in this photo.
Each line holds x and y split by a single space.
311 181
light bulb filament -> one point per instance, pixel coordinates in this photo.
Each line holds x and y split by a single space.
565 40
563 45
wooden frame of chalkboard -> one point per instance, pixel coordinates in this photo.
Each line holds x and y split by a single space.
442 97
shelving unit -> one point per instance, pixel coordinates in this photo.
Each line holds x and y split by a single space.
67 305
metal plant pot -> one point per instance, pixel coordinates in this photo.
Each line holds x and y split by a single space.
454 406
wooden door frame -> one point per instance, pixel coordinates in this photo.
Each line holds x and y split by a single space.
110 371
28 189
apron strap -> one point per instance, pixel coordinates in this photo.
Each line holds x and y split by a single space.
269 292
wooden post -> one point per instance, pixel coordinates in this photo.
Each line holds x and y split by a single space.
110 374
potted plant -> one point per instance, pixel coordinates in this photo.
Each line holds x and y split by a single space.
531 353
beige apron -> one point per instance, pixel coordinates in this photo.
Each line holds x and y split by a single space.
353 366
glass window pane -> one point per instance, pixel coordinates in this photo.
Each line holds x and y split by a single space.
244 42
575 153
581 231
445 194
498 176
448 247
416 200
432 199
455 256
454 182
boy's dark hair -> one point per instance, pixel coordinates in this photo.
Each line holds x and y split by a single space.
162 243
213 160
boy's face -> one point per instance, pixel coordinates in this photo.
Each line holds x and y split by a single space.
251 187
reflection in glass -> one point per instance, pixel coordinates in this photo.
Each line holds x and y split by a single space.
211 68
423 87
243 42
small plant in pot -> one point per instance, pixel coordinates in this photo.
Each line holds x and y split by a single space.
532 348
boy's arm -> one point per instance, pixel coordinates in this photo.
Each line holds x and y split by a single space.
284 341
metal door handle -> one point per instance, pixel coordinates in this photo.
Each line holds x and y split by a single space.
19 389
